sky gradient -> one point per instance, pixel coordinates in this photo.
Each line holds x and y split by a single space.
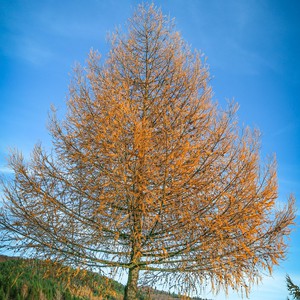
252 49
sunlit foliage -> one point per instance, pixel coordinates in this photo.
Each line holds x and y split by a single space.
148 174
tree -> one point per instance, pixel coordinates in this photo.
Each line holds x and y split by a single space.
292 288
148 174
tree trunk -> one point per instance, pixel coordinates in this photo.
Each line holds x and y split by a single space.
131 288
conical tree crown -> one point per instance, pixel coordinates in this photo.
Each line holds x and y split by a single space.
149 174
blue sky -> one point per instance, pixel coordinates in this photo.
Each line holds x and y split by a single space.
252 48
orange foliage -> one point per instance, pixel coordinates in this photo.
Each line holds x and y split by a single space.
147 173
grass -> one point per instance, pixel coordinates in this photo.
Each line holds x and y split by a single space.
31 279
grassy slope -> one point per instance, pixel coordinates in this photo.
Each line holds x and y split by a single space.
28 280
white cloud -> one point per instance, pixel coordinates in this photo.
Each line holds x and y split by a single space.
6 170
271 288
33 52
27 48
283 130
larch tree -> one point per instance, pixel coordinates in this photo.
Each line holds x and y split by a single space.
148 174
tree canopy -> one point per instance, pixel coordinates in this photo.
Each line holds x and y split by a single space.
148 174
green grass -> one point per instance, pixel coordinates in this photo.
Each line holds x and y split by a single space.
22 279
31 280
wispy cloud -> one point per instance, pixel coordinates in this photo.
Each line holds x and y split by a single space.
231 42
33 52
271 287
289 127
6 170
68 27
27 48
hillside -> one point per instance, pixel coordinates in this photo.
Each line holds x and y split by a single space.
29 280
